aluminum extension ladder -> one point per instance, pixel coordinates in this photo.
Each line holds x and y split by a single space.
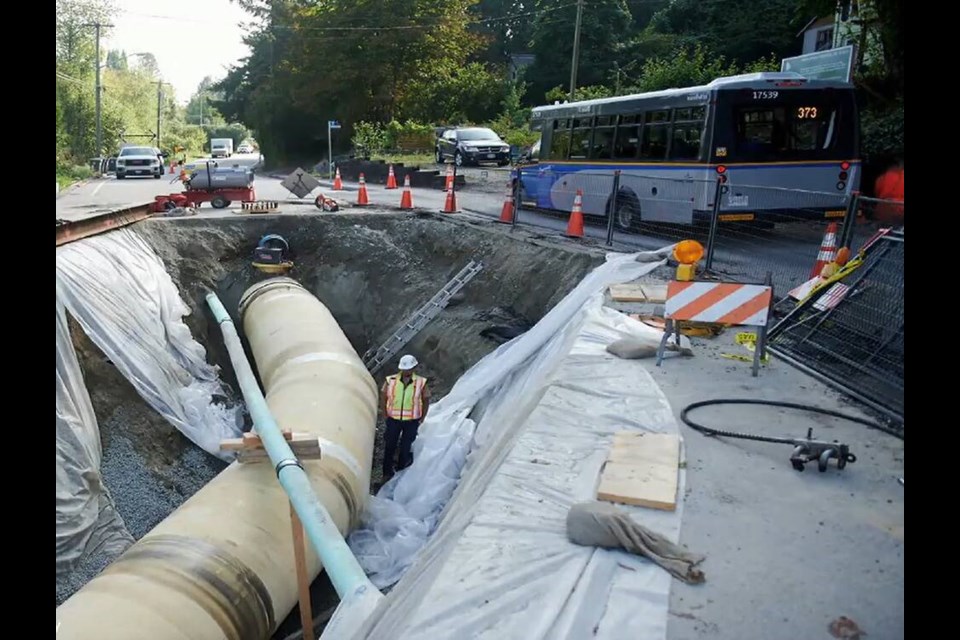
373 360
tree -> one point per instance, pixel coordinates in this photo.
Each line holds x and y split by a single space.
343 60
117 60
506 28
605 25
739 30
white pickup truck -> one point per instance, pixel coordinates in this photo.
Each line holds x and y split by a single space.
221 147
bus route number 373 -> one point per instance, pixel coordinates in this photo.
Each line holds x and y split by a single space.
766 95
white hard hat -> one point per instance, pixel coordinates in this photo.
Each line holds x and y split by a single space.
408 362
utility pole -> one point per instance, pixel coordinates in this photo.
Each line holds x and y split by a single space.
576 50
159 101
99 88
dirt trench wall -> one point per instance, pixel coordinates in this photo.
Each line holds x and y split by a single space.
373 272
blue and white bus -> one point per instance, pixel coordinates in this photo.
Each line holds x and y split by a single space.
786 146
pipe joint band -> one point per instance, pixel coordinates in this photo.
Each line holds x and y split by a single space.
289 462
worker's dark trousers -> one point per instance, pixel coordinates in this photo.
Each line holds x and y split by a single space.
404 432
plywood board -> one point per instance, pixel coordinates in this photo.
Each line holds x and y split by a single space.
655 292
627 293
642 469
635 292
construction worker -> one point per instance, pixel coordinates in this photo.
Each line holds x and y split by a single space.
406 400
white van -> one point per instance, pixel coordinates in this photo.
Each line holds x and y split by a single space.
221 147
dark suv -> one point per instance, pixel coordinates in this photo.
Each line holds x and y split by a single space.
472 146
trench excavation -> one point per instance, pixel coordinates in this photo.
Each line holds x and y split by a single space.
372 272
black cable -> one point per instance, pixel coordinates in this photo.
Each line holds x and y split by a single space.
772 403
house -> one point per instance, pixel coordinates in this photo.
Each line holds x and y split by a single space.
843 28
517 62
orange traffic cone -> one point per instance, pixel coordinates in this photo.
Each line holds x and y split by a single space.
406 200
506 214
828 250
391 179
575 225
449 184
362 199
450 206
337 183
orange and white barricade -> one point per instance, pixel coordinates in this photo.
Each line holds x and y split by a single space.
725 303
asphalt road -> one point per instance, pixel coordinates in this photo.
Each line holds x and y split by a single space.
97 196
788 251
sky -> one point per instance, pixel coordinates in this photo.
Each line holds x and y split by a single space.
208 30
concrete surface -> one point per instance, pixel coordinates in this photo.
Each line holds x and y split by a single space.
787 552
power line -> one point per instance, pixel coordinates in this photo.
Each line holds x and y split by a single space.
422 25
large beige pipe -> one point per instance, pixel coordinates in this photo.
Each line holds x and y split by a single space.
221 566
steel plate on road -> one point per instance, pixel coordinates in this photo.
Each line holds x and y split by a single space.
300 183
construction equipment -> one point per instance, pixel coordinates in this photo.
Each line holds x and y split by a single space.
374 359
270 256
805 450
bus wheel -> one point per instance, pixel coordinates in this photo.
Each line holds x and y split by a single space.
628 214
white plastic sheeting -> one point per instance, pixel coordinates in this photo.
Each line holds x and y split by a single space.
500 565
509 382
87 521
117 289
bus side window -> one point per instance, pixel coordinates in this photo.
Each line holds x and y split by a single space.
655 134
580 141
604 128
686 141
628 137
560 141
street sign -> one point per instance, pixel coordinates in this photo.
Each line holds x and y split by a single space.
832 64
333 124
300 183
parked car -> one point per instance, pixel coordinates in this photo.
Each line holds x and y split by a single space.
140 161
244 148
473 145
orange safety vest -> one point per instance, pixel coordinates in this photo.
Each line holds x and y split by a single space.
405 401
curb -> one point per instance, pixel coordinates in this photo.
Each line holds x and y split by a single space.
73 185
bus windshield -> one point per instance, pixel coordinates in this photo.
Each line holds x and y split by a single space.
796 125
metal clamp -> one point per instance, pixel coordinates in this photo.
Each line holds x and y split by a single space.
289 462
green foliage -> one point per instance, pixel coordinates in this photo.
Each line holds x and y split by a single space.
882 134
468 94
129 98
369 138
562 94
687 67
606 25
67 174
314 62
738 30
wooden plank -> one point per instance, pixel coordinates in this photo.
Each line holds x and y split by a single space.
652 448
627 293
642 469
303 580
653 486
654 292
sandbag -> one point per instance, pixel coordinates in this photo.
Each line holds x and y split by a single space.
632 349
